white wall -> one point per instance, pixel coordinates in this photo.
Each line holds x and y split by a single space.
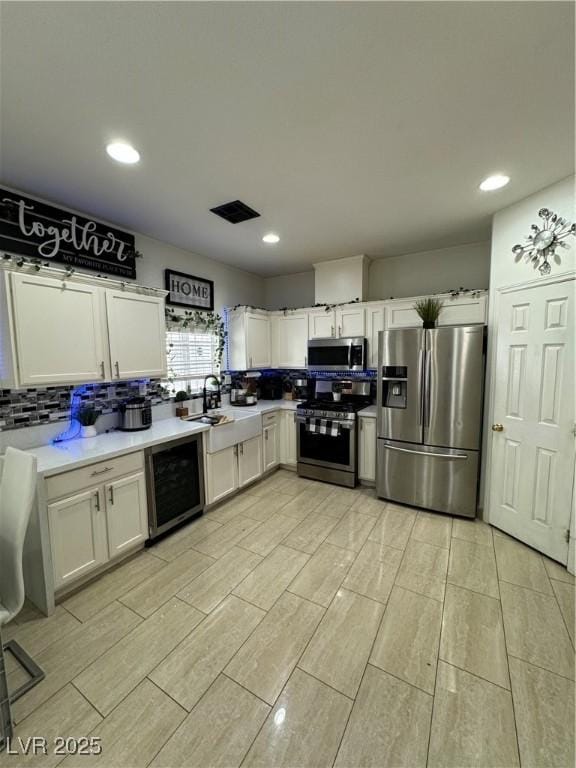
512 225
231 286
416 274
290 291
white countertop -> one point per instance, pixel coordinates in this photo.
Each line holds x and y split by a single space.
72 454
369 412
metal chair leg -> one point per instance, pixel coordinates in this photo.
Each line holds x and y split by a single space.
26 661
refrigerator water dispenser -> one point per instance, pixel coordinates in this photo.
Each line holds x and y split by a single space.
394 386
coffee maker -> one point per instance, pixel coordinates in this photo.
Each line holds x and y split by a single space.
300 389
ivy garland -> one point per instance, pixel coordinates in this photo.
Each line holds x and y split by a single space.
209 322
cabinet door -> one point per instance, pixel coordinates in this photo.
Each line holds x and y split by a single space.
221 473
290 341
77 535
126 513
464 310
58 331
137 332
321 324
350 321
249 460
287 438
257 341
367 449
270 438
375 322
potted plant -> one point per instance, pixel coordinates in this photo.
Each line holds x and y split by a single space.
88 416
428 310
180 397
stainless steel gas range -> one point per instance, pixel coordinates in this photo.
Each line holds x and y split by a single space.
327 431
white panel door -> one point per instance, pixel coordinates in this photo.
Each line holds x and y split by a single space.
270 443
321 324
77 535
221 473
58 331
257 341
126 513
350 321
532 465
367 449
137 332
249 460
375 322
290 340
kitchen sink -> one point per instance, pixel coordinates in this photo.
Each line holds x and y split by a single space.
244 426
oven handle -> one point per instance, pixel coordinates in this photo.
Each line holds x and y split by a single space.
427 453
343 424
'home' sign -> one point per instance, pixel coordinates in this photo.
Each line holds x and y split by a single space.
189 291
50 234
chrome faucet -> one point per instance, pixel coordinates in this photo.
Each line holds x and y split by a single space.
204 399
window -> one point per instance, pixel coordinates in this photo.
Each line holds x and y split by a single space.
191 357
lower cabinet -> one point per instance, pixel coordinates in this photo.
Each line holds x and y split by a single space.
96 525
231 468
270 445
287 438
367 449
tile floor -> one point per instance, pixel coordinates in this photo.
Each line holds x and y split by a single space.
300 624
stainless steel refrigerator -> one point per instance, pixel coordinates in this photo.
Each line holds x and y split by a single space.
430 391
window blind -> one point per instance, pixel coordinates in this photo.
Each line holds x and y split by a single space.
191 357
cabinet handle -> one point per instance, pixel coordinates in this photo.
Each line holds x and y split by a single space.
339 331
112 495
102 369
241 449
331 330
97 501
102 471
266 435
117 369
305 360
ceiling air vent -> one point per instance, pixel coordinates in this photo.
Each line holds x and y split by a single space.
235 212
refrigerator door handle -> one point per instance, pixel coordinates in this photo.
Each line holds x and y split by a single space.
421 361
427 453
427 376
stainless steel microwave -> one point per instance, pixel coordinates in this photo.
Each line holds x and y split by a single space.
347 354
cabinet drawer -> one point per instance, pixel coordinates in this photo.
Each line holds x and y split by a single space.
77 479
269 418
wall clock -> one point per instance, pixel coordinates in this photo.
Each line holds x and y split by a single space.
545 238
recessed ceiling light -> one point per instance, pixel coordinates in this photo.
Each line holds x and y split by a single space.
123 152
496 181
271 238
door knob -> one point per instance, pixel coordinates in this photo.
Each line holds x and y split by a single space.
497 428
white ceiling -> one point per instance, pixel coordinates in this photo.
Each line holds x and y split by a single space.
351 127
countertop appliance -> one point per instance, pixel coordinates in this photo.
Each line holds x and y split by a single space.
270 387
430 391
346 354
135 414
327 432
174 483
244 389
300 389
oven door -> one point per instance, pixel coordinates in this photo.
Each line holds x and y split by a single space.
325 450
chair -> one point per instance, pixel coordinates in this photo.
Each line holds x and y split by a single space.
17 491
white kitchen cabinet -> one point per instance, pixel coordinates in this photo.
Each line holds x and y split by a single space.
458 310
78 535
350 321
270 444
321 323
126 513
289 340
221 474
248 344
375 322
249 460
137 332
287 438
367 449
58 331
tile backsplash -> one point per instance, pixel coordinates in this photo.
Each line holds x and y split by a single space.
32 407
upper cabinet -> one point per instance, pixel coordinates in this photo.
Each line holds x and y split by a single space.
137 332
57 331
321 323
375 322
458 310
248 339
350 321
289 340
